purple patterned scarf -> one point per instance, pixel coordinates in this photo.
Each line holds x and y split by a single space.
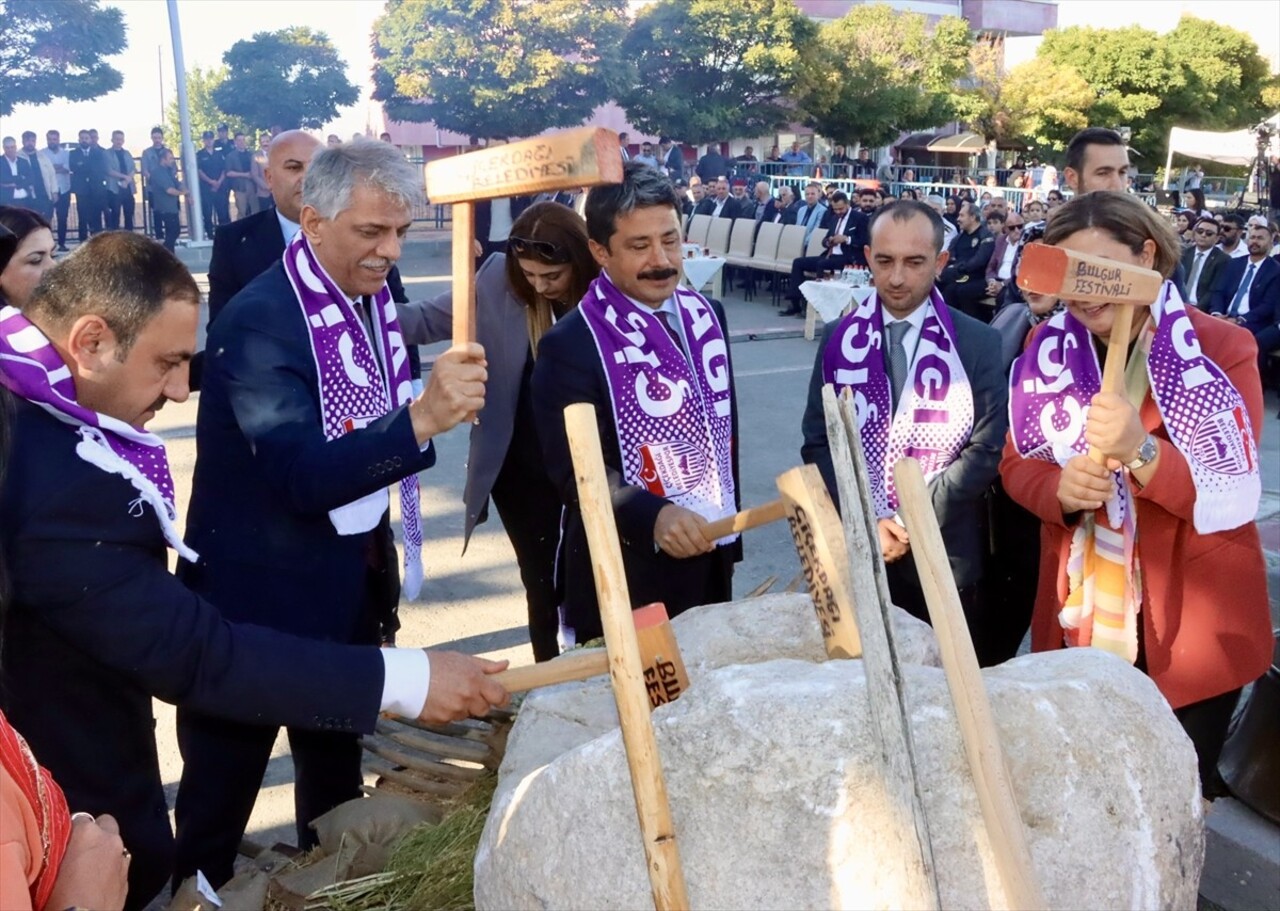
1053 381
674 422
31 368
935 413
352 389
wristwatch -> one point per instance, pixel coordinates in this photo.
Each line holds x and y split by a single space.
1146 452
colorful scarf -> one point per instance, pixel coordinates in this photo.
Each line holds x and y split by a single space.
47 804
352 389
31 368
674 421
1050 388
935 414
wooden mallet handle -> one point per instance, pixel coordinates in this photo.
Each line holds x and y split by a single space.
968 693
657 831
752 517
573 666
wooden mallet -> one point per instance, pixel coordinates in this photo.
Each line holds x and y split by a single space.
630 690
585 157
1069 275
663 668
968 693
910 846
752 517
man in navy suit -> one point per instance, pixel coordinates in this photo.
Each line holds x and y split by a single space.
634 234
95 625
274 490
1248 291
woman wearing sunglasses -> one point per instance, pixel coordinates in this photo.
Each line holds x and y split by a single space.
1154 554
519 295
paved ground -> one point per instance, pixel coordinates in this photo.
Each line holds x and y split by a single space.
474 601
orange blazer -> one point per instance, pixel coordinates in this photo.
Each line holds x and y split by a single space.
1205 618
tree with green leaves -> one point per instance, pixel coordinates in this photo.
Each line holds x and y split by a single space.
204 111
710 70
1201 75
1047 103
498 68
293 77
58 50
876 72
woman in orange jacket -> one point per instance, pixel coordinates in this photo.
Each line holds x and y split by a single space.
1153 555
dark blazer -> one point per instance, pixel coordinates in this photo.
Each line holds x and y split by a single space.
88 170
26 179
568 371
855 228
501 329
997 254
1213 266
711 166
97 627
957 493
731 208
266 478
1264 293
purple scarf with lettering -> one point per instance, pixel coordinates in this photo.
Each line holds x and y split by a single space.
1054 380
674 421
353 391
31 368
935 412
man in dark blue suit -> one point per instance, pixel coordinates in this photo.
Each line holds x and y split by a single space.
96 626
905 255
275 486
1248 291
634 234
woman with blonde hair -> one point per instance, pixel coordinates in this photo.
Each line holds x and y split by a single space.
519 295
1134 551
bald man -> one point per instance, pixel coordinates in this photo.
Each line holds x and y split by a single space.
244 249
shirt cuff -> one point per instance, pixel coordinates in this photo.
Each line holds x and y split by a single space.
406 681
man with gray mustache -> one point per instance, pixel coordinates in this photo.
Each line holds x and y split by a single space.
307 419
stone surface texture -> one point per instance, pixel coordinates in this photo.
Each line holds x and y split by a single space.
777 796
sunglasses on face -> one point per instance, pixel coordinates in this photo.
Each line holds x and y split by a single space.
1206 232
1009 229
544 250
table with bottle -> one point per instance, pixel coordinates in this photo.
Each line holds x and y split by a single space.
831 295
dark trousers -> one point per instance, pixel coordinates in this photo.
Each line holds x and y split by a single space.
223 763
967 298
818 264
529 507
120 211
62 208
89 206
904 588
167 225
222 767
211 202
1206 723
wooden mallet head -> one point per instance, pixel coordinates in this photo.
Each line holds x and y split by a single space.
819 540
665 677
586 157
1069 275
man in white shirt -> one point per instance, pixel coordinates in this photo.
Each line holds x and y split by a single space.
1000 267
1231 228
646 155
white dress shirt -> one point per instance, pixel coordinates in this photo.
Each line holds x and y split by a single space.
837 249
288 228
1005 272
18 192
1242 249
1243 308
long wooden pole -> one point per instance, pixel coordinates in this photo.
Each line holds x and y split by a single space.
968 693
657 831
910 846
1117 355
464 273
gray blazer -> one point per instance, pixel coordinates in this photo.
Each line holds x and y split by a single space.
501 328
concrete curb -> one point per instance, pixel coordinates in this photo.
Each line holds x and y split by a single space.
1242 858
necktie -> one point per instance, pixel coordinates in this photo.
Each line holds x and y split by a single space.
1242 290
897 358
665 318
1195 276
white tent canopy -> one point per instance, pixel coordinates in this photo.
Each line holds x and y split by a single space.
1239 147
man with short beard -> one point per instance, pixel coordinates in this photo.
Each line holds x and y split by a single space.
306 419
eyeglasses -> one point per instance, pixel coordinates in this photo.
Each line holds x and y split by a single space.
1206 232
544 250
1009 229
